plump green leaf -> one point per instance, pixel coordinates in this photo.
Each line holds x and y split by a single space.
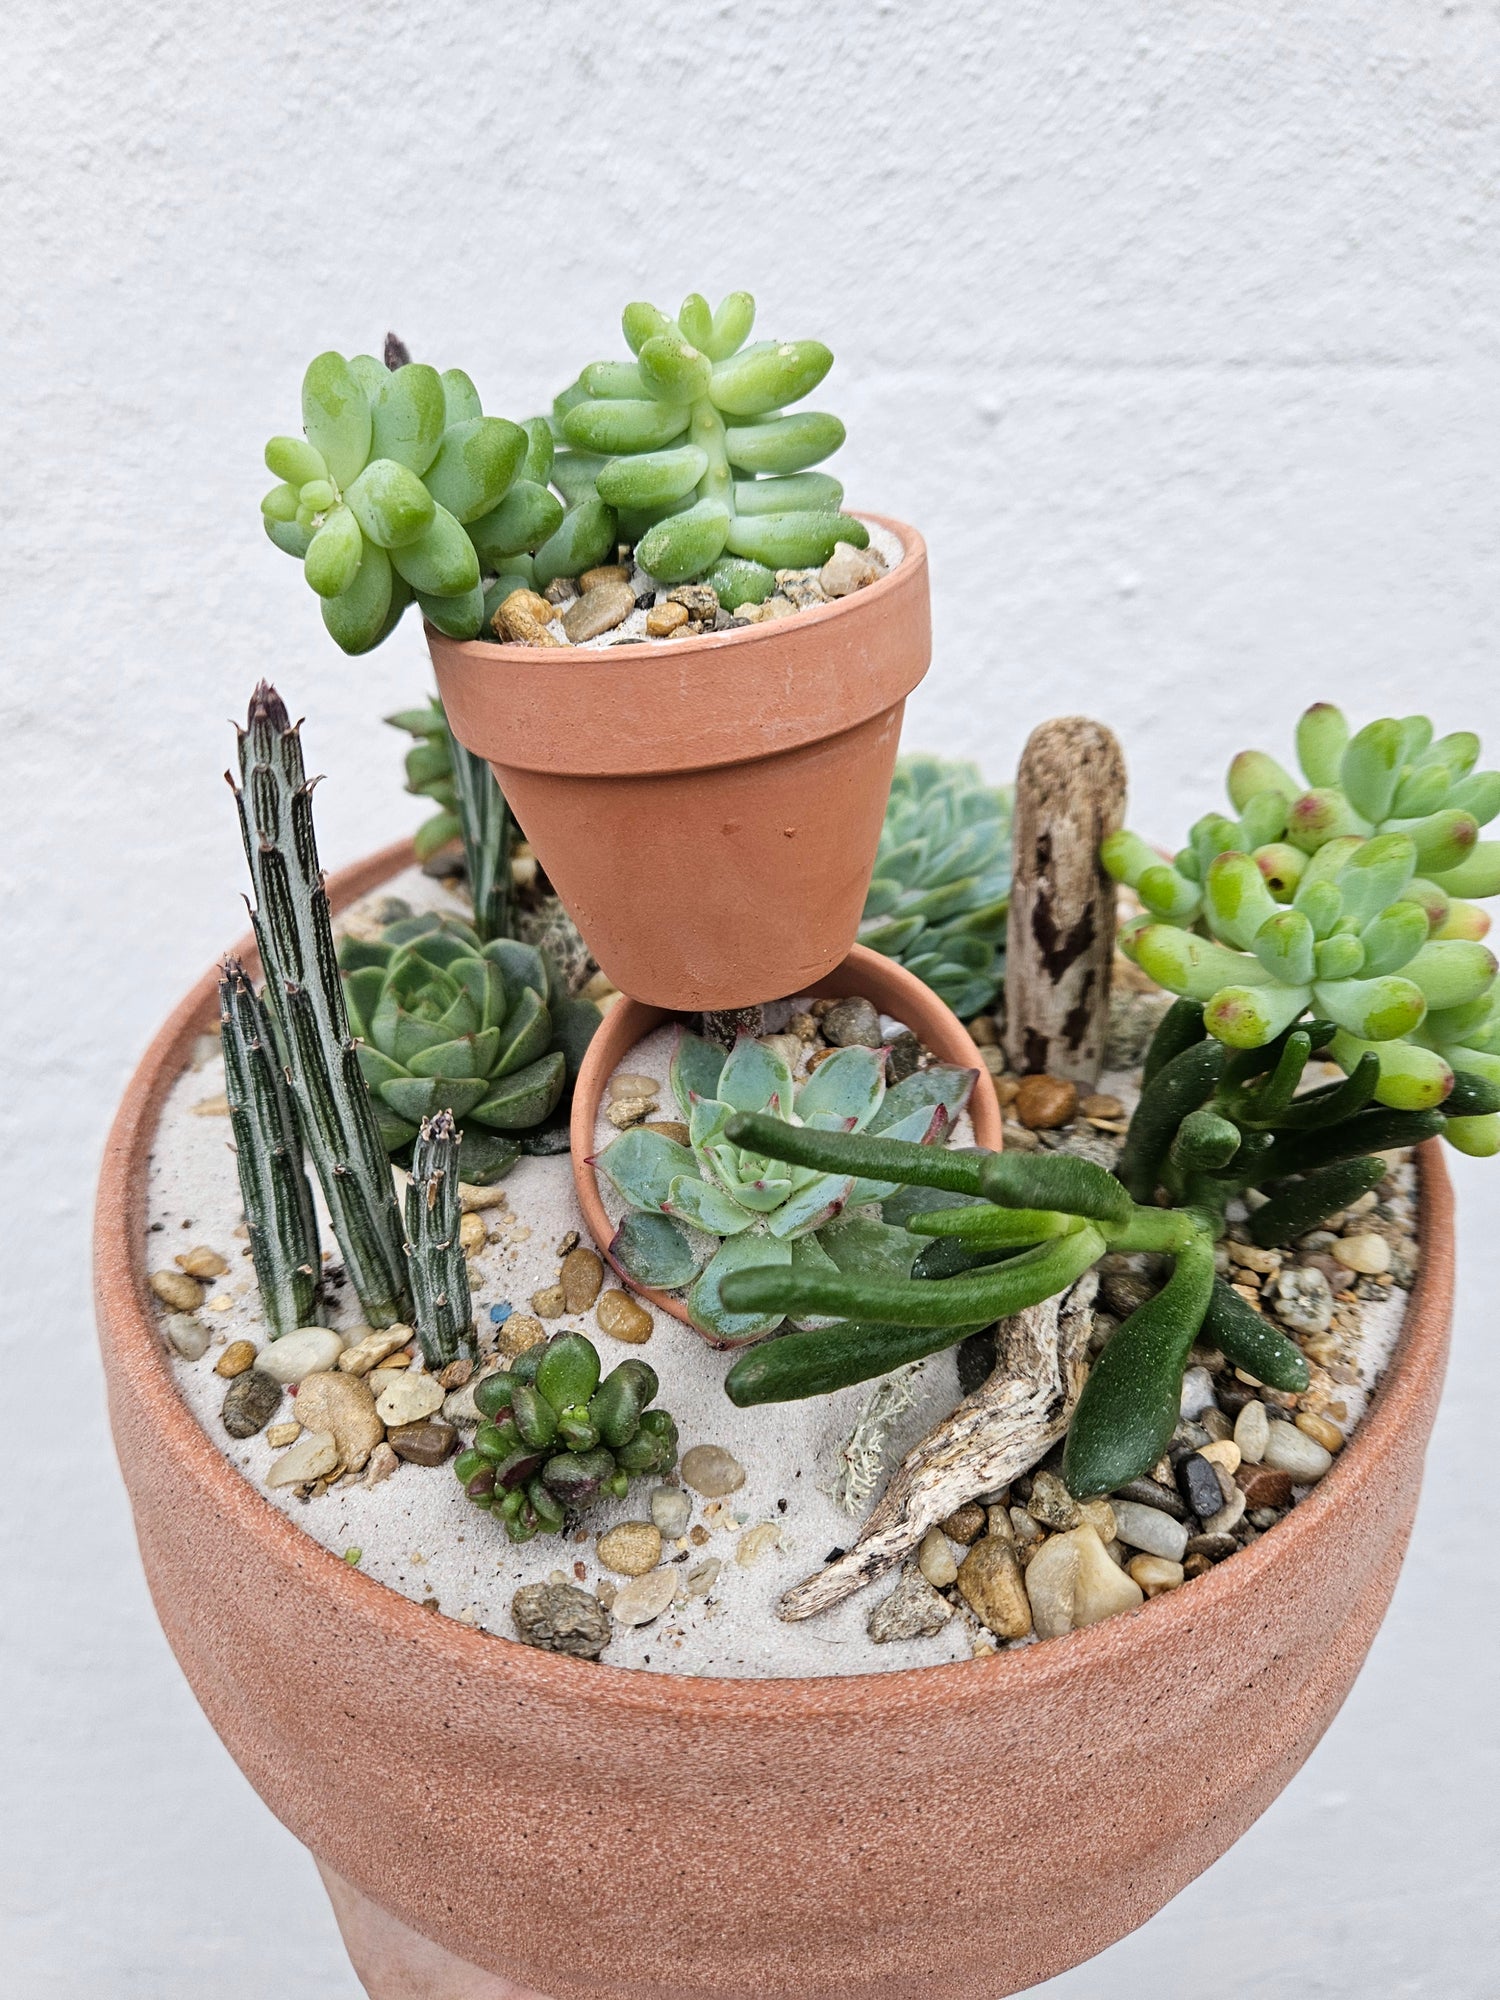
336 416
441 561
390 503
685 544
674 368
793 541
651 478
848 1086
293 459
797 493
695 1070
731 326
943 1084
408 415
611 426
756 1078
461 402
784 444
525 1097
864 1248
708 1309
642 1165
523 520
707 1206
768 376
735 581
584 537
460 618
656 1250
333 554
356 619
476 462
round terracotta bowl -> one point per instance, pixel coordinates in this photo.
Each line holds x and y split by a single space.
893 990
707 808
495 1821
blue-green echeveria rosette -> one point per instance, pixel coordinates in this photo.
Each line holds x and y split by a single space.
699 1211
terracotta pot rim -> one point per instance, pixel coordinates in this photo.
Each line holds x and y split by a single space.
629 1021
128 1323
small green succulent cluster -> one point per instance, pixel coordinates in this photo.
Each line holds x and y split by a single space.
445 1023
554 1435
940 895
1345 899
688 453
402 488
701 1211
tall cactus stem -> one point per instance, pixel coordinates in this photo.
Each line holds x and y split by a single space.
488 829
444 1312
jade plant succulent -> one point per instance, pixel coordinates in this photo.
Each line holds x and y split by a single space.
940 895
554 1435
688 452
700 1211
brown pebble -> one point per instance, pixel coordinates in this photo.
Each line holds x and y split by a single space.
984 1032
1196 1566
581 1276
604 573
1320 1431
599 610
1005 1089
670 1128
426 1443
662 620
177 1290
520 1331
622 1318
1101 1105
1264 1486
1044 1102
990 1583
965 1524
201 1262
471 1234
698 1536
456 1374
819 1056
236 1358
630 1549
548 1303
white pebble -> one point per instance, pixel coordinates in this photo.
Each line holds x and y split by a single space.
1197 1393
313 1455
1150 1529
670 1508
311 1350
1368 1254
1252 1428
1229 1515
644 1597
935 1559
1102 1588
189 1337
1293 1451
409 1398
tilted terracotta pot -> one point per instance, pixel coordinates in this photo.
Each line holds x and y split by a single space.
522 1824
707 808
891 988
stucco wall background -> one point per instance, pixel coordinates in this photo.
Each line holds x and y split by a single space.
1176 330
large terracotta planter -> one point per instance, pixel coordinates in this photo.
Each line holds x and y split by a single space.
891 988
707 808
515 1823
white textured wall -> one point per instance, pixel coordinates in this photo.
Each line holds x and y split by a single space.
1174 327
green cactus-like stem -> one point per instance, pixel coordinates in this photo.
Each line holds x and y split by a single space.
278 1202
488 829
444 1312
305 1000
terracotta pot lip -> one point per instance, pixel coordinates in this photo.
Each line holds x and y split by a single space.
131 1342
630 1021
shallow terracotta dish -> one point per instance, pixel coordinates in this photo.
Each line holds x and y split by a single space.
707 808
891 988
522 1824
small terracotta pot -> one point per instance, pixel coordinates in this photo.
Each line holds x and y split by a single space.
892 989
708 809
509 1837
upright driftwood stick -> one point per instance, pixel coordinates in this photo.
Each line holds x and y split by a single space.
1070 793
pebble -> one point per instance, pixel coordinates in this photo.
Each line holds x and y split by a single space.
670 1509
236 1358
280 1435
788 1047
712 1471
471 1234
663 619
1042 1103
623 1318
670 1128
756 1542
1250 1257
1263 1486
965 1524
581 1276
631 1548
1229 1515
603 573
313 1456
460 1408
1220 1428
188 1336
201 1262
628 1084
307 1351
600 609
343 1407
1022 1527
522 611
560 1618
518 1332
1100 1516
409 1399
1101 1105
1101 1588
1005 1086
1224 1453
1051 1503
848 569
1326 1434
702 1577
548 1303
1155 1574
1302 1298
935 1559
1197 1393
1293 1451
456 1374
177 1290
914 1610
1150 1493
383 1462
645 1597
1148 1529
628 1111
991 1584
853 1023
472 1198
1370 1255
249 1403
1199 1485
698 600
1252 1427
904 1057
1052 1586
371 1349
1215 1547
426 1443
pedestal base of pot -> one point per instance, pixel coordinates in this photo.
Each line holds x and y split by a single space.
394 1963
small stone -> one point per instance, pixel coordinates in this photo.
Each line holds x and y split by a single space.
201 1262
1369 1255
1229 1515
1005 1086
1252 1429
788 1047
373 1348
236 1358
670 1508
548 1303
631 1548
645 1597
456 1374
984 1031
903 1057
1251 1257
1215 1547
427 1442
1042 1103
344 1408
853 1023
383 1462
177 1290
1022 1527
662 620
306 1351
1102 1588
1051 1580
460 1409
629 1084
249 1403
522 610
1051 1503
313 1456
188 1336
965 1524
756 1542
698 1536
777 607
1120 1292
211 1107
560 1618
1150 1530
628 1111
1293 1451
712 1471
848 569
623 1318
1199 1485
280 1435
518 1332
1197 1393
1302 1298
935 1559
702 1577
471 1234
1263 1486
913 1610
409 1399
670 1128
474 1199
1155 1574
1195 1566
581 1276
991 1584
1318 1428
1224 1453
1150 1493
1101 1105
1100 1516
699 600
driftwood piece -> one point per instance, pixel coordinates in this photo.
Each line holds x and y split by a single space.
1060 941
991 1438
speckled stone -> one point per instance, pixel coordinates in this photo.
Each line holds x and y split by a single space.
249 1403
560 1618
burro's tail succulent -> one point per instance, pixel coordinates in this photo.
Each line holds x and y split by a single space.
940 895
279 1213
443 1311
689 451
554 1435
1346 900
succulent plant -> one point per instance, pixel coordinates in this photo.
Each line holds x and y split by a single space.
402 488
940 895
443 1313
446 1023
472 809
688 453
554 1435
279 1213
701 1211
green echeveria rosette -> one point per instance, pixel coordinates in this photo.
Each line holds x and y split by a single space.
554 1435
698 1212
689 453
445 1023
940 895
